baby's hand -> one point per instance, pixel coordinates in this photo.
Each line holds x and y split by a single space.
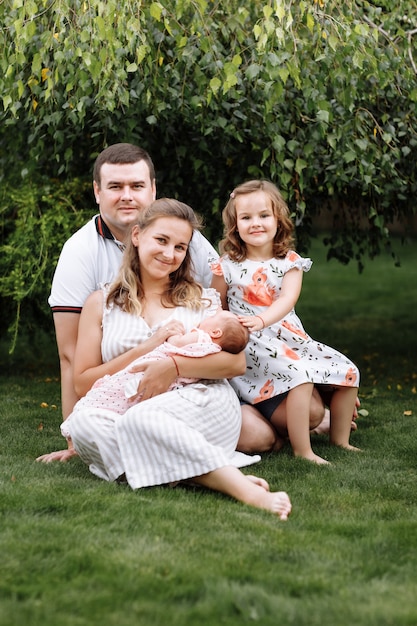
252 322
172 328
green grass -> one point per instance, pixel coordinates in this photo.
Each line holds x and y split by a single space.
80 552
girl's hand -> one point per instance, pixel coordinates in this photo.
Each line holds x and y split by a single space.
252 322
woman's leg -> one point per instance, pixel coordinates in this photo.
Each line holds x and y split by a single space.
342 407
180 434
297 422
247 489
94 438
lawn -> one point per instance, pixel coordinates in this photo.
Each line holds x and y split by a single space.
80 552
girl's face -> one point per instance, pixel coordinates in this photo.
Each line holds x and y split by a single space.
255 219
162 246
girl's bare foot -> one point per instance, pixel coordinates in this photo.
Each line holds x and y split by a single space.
315 458
349 447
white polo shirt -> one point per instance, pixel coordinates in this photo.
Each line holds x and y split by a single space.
92 257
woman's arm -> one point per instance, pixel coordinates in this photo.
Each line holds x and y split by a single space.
286 301
88 365
158 375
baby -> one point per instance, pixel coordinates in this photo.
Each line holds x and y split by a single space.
118 392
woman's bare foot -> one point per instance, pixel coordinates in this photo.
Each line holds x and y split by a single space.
277 502
258 481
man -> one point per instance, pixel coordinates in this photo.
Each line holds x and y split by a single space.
124 184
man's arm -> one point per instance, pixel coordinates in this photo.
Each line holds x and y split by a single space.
218 283
66 331
202 254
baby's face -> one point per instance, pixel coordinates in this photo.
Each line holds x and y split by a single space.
216 321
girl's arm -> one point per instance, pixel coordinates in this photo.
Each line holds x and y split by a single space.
286 301
88 365
158 375
218 283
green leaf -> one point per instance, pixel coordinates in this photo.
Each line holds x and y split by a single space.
156 11
215 84
323 116
349 156
300 165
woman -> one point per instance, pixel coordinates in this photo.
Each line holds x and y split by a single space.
187 433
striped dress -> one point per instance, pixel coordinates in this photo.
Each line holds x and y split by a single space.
174 436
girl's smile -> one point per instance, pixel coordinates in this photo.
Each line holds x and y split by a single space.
255 220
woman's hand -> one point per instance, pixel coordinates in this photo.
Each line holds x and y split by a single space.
157 377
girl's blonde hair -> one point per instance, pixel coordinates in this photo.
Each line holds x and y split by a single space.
127 290
233 245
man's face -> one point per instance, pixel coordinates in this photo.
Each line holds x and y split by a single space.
125 189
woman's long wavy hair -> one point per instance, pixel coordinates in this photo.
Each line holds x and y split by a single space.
233 245
127 290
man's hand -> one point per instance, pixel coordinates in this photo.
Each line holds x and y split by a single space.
59 455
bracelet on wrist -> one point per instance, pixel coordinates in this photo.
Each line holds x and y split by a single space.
176 364
263 323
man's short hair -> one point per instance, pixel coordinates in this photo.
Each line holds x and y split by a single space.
121 153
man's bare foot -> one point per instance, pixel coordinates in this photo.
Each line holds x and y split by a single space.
324 427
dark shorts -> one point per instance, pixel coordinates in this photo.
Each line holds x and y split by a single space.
267 407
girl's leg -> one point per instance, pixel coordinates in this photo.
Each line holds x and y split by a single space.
342 406
298 422
248 489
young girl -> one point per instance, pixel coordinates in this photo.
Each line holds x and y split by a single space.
259 278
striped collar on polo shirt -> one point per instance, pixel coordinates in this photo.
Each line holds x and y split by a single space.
106 233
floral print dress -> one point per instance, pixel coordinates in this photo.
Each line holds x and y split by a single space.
281 356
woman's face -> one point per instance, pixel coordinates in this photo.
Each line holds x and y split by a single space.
162 246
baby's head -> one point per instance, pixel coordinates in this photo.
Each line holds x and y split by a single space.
225 329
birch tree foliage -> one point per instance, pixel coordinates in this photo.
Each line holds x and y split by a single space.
318 95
